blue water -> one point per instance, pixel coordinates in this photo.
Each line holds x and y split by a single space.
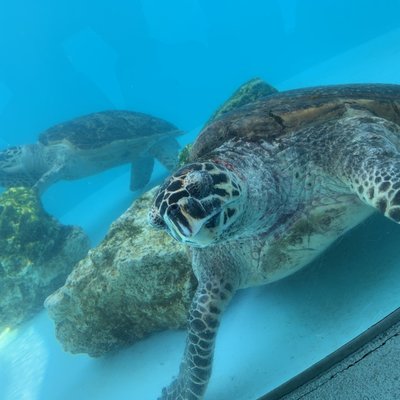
179 60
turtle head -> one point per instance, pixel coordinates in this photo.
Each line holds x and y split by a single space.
15 167
198 204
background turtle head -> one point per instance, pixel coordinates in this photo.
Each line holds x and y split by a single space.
198 204
15 167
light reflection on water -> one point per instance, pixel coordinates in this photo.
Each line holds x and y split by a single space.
23 360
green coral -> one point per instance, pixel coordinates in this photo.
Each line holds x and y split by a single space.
250 91
27 233
184 155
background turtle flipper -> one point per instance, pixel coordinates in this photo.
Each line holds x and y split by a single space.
53 175
167 152
141 170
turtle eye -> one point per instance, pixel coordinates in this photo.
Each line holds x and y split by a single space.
195 209
199 184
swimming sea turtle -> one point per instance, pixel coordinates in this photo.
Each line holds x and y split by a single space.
91 144
267 188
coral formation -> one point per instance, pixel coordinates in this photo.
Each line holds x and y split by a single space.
250 91
26 232
36 254
184 154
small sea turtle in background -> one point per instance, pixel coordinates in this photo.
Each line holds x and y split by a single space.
267 188
91 144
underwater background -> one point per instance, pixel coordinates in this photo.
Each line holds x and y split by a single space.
179 60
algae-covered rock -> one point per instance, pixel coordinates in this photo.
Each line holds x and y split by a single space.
184 155
137 281
250 91
36 255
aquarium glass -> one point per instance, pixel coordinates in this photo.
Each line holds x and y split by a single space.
179 60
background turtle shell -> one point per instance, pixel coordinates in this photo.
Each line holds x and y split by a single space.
98 129
282 113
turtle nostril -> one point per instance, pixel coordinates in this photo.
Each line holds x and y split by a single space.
213 222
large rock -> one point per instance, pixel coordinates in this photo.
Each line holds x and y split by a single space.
137 281
252 90
36 255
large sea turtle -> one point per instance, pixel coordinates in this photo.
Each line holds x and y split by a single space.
91 144
267 188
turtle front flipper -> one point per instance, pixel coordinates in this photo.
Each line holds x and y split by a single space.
368 161
141 170
51 176
215 289
167 152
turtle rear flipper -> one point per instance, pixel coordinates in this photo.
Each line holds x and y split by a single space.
368 161
167 152
141 170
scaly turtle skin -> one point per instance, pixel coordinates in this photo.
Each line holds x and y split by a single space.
91 144
268 188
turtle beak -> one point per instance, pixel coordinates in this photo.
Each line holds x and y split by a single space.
181 222
185 228
177 222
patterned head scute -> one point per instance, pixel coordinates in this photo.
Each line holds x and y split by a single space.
198 204
12 170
